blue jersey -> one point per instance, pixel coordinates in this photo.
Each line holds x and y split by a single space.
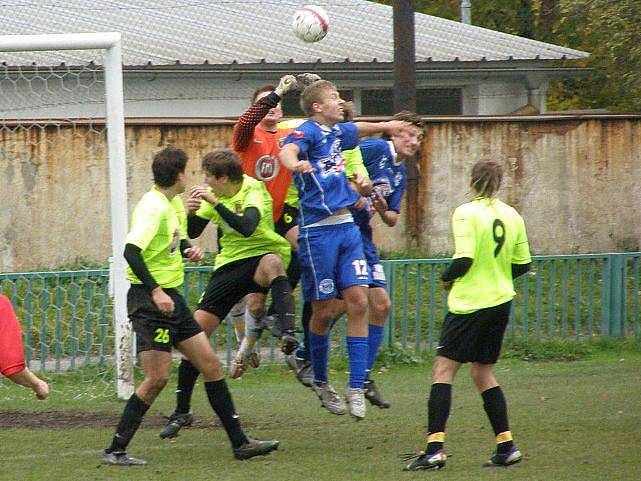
388 178
326 191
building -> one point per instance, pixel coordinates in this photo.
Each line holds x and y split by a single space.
205 58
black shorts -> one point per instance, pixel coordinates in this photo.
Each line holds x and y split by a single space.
155 330
474 337
230 284
287 220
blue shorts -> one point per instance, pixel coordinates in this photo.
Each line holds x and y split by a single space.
374 264
331 259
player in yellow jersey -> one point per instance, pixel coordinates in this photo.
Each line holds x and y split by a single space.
491 250
252 258
154 250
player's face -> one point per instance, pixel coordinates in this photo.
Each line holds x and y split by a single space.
181 182
217 184
330 108
274 115
408 141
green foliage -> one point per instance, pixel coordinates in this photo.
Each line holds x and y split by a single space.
395 355
607 29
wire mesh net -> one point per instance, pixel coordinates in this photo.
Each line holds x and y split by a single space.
53 153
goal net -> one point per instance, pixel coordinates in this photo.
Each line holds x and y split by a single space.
61 148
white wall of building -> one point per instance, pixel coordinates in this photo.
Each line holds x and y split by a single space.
181 96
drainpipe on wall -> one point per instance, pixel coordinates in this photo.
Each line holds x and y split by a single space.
466 12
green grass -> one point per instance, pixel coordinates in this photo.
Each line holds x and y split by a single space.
576 420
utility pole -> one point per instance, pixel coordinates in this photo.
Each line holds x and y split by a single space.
405 99
404 56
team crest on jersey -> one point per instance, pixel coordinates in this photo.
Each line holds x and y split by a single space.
326 286
266 168
299 134
398 177
334 163
238 208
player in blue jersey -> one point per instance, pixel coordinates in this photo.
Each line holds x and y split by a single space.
384 161
330 246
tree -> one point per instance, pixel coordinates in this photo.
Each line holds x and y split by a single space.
607 29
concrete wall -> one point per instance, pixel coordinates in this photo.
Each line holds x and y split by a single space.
576 182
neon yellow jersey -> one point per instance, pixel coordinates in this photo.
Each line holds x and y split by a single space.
233 245
157 226
291 198
354 163
492 234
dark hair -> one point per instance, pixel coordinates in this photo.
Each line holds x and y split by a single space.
167 164
223 163
486 178
314 93
260 90
410 118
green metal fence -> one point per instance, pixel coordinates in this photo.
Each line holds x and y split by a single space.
67 322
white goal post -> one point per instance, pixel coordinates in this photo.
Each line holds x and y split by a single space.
110 43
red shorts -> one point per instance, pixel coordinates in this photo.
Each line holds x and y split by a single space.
11 350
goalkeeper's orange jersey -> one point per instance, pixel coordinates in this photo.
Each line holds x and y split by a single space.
258 150
260 161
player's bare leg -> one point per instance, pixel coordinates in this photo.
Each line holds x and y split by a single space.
187 375
253 313
156 366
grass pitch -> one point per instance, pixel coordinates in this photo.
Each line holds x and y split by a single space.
572 420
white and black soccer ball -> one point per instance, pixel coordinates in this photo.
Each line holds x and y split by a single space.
310 23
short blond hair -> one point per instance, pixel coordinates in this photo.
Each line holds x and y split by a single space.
313 94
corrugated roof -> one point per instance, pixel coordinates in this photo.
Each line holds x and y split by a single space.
192 32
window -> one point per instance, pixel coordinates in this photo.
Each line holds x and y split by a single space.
428 102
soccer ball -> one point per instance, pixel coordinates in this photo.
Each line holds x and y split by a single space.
310 23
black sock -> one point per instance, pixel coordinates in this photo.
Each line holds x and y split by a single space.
438 410
293 270
187 375
496 408
306 318
283 303
129 423
220 400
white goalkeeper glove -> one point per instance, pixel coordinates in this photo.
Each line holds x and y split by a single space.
286 83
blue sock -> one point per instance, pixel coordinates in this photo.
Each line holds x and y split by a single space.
319 350
374 339
357 350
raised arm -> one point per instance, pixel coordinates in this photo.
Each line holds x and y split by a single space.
391 127
244 128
